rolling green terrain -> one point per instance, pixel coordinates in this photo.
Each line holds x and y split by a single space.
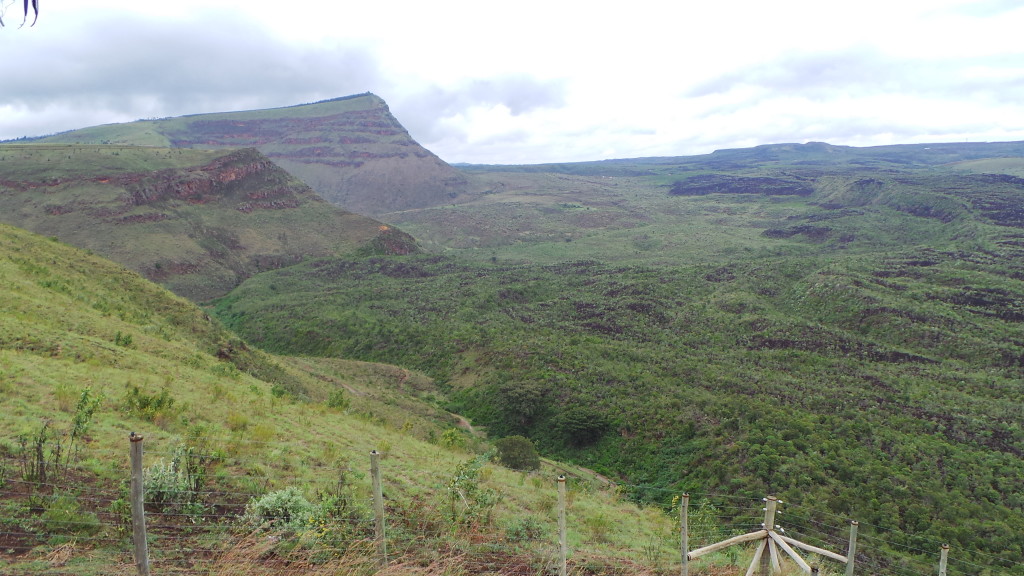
841 327
197 221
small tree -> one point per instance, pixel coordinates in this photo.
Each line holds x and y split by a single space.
517 453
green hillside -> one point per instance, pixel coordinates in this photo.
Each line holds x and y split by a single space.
352 151
845 336
197 221
90 351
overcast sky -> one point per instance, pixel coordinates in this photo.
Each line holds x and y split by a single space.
537 81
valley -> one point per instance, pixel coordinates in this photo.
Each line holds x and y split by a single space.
840 327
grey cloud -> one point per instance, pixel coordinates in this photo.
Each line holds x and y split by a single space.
134 68
862 72
812 73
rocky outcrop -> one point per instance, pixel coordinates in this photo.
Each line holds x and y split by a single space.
198 228
198 185
352 151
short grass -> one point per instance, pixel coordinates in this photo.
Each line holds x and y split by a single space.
45 163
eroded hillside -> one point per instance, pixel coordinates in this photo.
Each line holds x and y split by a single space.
198 222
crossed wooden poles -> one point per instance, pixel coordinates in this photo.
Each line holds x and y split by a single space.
767 554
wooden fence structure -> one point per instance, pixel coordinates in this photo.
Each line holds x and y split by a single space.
771 541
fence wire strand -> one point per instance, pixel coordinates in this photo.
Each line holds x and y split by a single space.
206 531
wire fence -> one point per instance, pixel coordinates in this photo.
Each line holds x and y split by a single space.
433 523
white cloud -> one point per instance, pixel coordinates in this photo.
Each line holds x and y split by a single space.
536 81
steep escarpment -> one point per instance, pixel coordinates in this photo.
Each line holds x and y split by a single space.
198 222
352 150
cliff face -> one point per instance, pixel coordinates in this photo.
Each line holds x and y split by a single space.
201 184
351 151
199 226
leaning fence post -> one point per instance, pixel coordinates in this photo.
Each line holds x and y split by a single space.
378 507
943 558
684 533
138 507
563 546
852 550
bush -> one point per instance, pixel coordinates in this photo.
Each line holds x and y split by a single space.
176 485
64 516
452 438
525 529
283 507
148 406
517 453
338 400
165 484
471 503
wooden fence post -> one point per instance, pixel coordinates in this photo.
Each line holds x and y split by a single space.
563 545
771 504
138 506
852 550
378 507
684 533
943 558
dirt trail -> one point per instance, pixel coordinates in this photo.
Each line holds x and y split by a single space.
461 422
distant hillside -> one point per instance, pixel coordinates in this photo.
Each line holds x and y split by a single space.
351 150
198 222
899 157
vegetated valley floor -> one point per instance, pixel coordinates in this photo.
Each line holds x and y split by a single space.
844 335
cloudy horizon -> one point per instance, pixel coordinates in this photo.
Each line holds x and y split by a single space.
535 82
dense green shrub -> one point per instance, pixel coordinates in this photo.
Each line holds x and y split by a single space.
581 425
827 379
517 453
148 406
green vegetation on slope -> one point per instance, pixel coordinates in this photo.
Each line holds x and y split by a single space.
844 333
859 349
90 351
196 221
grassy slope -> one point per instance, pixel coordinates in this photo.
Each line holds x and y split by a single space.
71 322
198 221
859 348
